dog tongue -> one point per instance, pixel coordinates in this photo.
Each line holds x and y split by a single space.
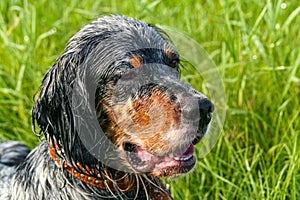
141 153
151 159
190 151
145 161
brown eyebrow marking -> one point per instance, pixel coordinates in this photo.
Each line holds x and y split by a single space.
169 53
136 61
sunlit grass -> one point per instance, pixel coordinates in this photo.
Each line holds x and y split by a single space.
256 46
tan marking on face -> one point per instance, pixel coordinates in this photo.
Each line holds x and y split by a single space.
148 119
113 132
151 109
169 53
144 122
136 61
141 116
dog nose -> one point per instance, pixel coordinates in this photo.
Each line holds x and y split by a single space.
206 108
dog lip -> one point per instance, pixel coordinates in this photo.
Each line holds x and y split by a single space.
174 163
196 140
186 155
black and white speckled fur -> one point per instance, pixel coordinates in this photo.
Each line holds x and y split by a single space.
37 176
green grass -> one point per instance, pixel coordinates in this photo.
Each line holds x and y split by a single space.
256 46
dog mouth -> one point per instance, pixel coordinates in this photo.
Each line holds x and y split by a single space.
170 165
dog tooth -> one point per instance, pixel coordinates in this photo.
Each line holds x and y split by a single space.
188 157
176 158
183 158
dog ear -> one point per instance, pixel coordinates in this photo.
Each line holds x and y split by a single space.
52 110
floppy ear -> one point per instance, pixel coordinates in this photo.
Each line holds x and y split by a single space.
52 110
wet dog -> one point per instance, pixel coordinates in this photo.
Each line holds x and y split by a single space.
115 117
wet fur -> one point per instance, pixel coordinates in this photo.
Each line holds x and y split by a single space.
37 176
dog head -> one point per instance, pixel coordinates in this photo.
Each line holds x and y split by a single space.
122 75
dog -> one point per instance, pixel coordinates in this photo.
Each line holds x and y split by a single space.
114 117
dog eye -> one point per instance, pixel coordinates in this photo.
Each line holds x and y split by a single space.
174 63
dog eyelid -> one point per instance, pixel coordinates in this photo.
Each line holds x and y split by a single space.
174 63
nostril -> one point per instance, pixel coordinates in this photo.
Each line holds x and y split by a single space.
206 108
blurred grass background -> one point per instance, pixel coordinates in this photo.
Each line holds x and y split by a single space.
255 45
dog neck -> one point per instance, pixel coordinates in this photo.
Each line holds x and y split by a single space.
94 178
